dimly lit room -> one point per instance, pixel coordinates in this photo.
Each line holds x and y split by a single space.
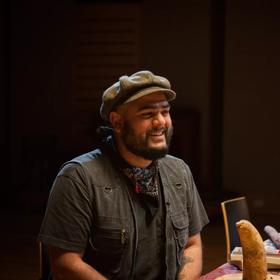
222 59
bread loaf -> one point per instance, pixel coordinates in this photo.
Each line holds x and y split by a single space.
254 256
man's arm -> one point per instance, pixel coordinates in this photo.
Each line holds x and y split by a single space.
192 259
70 266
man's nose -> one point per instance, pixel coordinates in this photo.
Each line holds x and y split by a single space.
158 120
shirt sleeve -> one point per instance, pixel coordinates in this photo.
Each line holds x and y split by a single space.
68 218
197 214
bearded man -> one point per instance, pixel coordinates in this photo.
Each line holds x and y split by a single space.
127 210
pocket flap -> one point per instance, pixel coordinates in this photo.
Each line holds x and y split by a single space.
180 220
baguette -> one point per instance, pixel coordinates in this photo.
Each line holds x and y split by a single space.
254 256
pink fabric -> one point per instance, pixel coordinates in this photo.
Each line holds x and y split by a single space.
221 270
226 269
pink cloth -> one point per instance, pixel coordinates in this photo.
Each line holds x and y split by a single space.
221 270
226 269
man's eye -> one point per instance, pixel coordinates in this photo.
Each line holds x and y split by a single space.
147 115
165 113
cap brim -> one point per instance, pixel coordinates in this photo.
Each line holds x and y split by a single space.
170 94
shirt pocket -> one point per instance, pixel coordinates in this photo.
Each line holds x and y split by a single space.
180 223
108 246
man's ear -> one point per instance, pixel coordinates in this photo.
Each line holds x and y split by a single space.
116 121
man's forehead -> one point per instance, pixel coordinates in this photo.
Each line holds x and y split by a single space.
154 105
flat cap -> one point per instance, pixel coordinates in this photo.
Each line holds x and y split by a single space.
130 88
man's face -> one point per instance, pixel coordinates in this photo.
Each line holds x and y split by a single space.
147 126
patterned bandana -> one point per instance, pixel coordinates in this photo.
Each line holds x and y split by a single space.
144 179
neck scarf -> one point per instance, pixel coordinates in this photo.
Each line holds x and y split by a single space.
144 179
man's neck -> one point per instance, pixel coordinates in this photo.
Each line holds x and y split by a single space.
132 159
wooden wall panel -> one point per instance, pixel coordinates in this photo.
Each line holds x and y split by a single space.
106 47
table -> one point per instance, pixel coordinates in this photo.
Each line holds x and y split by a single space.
226 269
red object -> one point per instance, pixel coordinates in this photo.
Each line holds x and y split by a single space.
137 188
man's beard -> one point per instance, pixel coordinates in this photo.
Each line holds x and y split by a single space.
139 145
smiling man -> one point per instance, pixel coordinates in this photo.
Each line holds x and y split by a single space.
143 129
127 210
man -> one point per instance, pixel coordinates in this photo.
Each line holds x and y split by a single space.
127 210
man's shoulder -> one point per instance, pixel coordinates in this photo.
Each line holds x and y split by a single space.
171 159
88 157
174 163
83 161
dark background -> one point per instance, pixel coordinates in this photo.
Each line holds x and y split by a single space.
221 57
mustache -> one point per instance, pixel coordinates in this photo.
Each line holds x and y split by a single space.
157 129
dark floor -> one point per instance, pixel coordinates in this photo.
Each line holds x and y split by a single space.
19 252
